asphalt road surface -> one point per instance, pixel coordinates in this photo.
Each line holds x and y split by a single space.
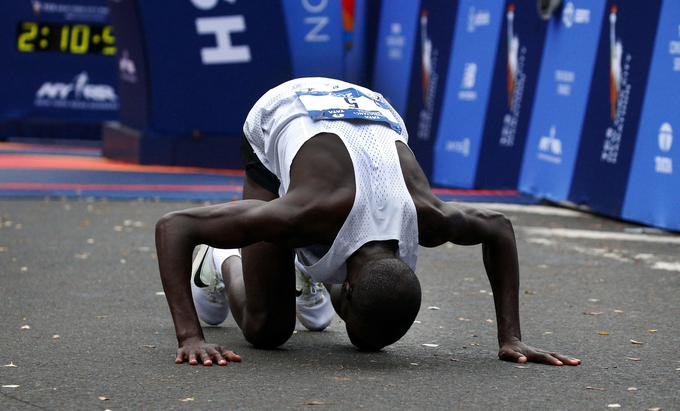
85 324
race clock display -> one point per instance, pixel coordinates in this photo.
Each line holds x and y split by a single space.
71 38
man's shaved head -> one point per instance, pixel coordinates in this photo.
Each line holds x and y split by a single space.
380 304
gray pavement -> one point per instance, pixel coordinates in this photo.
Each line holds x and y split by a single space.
83 276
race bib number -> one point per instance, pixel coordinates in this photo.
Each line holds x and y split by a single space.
347 104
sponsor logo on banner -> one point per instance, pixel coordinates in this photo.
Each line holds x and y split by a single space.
674 51
79 94
429 77
516 80
395 42
564 80
571 15
127 68
461 147
221 27
664 164
467 85
477 18
619 91
78 12
550 147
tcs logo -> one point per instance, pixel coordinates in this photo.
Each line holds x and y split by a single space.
224 52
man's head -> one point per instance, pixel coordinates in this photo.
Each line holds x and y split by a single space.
378 302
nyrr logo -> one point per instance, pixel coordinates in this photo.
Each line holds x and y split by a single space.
467 90
78 94
571 15
664 165
550 147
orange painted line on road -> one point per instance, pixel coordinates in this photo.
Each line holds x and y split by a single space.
118 187
60 162
47 147
490 193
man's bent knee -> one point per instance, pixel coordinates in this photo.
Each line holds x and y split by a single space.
268 332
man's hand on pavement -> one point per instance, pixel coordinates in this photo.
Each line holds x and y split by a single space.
517 351
198 351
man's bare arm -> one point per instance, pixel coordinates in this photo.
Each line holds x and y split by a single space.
231 225
469 226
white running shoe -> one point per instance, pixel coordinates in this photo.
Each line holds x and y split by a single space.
313 303
207 288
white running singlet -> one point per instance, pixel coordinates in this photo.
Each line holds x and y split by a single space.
289 115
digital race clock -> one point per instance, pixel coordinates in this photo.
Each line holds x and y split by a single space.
72 38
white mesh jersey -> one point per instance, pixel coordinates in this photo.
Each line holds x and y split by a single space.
279 124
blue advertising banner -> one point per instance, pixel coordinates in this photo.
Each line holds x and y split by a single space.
58 57
430 68
512 96
397 35
653 194
458 137
615 103
561 99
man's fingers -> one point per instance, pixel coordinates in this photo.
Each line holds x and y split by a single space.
512 356
566 360
231 356
216 357
543 357
192 359
207 361
180 356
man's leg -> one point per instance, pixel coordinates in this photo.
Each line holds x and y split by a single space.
261 285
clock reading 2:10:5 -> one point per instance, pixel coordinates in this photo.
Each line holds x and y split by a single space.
72 38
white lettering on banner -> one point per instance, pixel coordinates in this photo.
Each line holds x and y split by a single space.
315 35
565 79
467 92
676 64
477 18
318 23
571 15
225 52
674 47
663 164
395 42
459 146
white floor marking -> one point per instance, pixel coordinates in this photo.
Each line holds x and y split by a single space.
598 235
531 209
668 266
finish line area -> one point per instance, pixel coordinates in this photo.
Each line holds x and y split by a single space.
34 170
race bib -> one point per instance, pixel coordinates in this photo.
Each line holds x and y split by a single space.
347 104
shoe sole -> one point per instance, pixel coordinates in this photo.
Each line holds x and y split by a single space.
198 261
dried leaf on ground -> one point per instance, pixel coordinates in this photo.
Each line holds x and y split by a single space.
652 331
653 409
103 398
632 389
432 307
633 358
596 388
463 319
618 311
11 386
187 399
413 363
25 327
416 322
431 345
635 342
521 366
592 313
10 365
160 293
148 345
614 405
529 292
56 336
593 300
603 332
547 332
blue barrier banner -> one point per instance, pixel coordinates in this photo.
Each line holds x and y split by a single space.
512 96
213 62
466 94
653 194
429 71
315 29
561 99
615 103
58 62
396 39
